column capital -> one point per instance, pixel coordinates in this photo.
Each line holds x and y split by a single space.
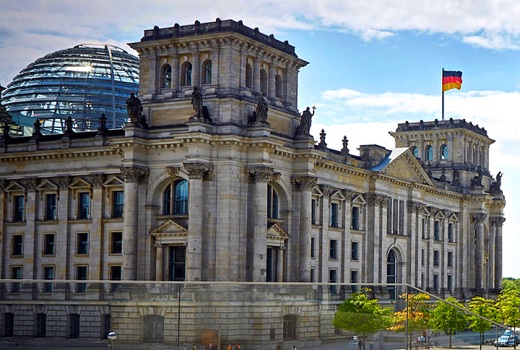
98 179
134 174
478 218
304 182
198 170
262 173
63 182
497 221
31 183
172 171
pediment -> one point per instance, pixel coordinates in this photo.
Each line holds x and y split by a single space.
113 181
47 185
170 232
79 183
276 236
15 186
401 164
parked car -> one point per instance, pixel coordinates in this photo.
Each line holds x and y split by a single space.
507 340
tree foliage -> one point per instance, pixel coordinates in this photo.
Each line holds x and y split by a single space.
448 317
416 312
362 315
485 308
508 307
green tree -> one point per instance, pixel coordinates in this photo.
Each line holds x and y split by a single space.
362 315
511 283
448 317
508 307
414 317
485 308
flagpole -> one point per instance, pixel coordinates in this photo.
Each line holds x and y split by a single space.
442 77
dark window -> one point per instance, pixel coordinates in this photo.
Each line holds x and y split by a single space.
17 248
186 74
444 152
436 258
81 274
354 253
450 283
48 274
278 86
249 76
450 232
354 279
49 244
333 249
74 326
16 274
289 327
177 262
313 246
117 204
116 243
153 329
105 325
391 274
18 208
437 230
355 218
333 278
436 283
333 214
313 211
8 324
167 77
272 203
429 152
263 82
423 228
207 72
50 206
83 205
415 152
82 243
176 194
422 257
450 259
312 274
115 275
40 326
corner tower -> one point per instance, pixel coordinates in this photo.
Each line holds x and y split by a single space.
231 64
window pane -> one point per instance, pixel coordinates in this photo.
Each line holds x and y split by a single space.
116 243
84 206
118 204
181 197
50 207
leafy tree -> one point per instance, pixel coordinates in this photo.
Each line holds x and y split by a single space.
415 314
485 308
362 315
448 317
508 307
511 283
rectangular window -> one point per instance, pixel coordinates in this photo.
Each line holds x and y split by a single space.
423 228
83 205
82 247
312 274
436 258
50 206
16 274
74 326
436 283
450 259
354 279
422 281
18 208
450 232
116 242
48 274
117 204
313 211
422 257
333 278
312 247
437 230
17 247
333 249
115 275
395 217
40 330
354 254
81 274
355 218
333 215
49 244
450 283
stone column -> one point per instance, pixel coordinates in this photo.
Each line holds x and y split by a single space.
305 185
243 65
96 234
196 172
279 264
195 78
32 240
413 270
478 220
322 241
271 85
498 223
176 82
63 235
133 175
256 75
159 262
152 60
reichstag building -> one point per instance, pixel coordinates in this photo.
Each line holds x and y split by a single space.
202 217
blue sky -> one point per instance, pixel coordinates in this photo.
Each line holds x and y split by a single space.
372 63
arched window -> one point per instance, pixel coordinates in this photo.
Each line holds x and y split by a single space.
278 85
444 152
429 152
415 152
166 77
206 68
187 69
272 203
391 274
263 82
175 198
249 76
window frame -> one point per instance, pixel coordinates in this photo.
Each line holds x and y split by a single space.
48 274
118 203
49 244
18 208
17 247
116 245
84 205
82 243
16 272
51 206
333 249
334 214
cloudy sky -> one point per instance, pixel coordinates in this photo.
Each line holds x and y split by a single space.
372 63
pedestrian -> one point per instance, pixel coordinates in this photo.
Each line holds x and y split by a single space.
371 345
294 347
360 343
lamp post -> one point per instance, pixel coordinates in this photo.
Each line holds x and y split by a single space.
112 336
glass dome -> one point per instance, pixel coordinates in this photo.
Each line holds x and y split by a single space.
81 82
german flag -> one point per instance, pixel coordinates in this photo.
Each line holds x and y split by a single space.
451 80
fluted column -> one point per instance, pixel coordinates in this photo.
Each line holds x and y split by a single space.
271 86
305 185
478 220
196 172
159 262
279 264
256 75
498 223
133 175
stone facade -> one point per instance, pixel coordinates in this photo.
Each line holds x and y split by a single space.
223 196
